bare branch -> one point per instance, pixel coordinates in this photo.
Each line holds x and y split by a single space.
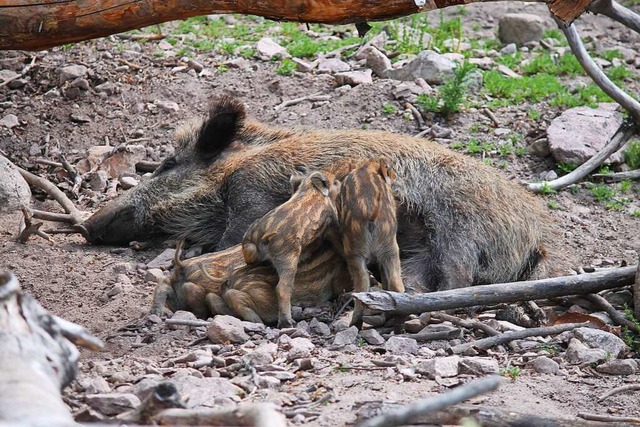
622 135
616 12
486 343
24 71
615 315
608 418
616 177
405 414
318 96
469 324
28 228
621 389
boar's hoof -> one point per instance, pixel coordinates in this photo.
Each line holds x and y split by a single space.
285 322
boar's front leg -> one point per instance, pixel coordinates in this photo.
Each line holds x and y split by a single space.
241 304
246 202
217 305
360 276
390 269
161 296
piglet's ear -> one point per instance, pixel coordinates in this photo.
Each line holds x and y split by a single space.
386 171
218 131
320 181
295 181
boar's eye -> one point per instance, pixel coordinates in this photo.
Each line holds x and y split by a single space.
167 164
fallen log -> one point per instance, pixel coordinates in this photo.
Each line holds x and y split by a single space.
405 304
36 359
255 415
40 25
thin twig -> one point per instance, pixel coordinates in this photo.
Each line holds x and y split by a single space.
491 116
622 135
469 324
617 12
24 71
621 389
405 414
616 177
185 322
140 36
434 336
486 343
615 315
416 114
318 96
608 418
48 163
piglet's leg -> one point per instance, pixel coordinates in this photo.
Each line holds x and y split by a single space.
240 303
360 276
286 275
390 269
161 294
195 298
217 305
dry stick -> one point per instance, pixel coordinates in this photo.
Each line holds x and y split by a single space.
616 177
147 166
185 322
48 163
621 389
416 114
253 414
615 315
24 71
486 343
318 96
469 324
491 116
589 283
75 176
616 12
636 294
608 418
622 135
434 336
54 192
405 414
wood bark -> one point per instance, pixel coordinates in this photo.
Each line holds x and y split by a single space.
589 283
36 25
36 359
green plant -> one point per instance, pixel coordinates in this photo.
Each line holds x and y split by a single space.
635 214
619 73
625 186
520 151
534 114
456 145
512 372
388 108
361 342
516 91
602 192
611 54
553 34
286 68
604 170
565 168
545 188
632 155
505 150
451 95
553 205
223 68
344 367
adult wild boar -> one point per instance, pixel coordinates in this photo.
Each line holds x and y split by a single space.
460 222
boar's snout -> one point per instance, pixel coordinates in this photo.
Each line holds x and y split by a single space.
113 224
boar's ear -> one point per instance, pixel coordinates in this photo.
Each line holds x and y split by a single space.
226 118
386 170
267 237
319 180
295 182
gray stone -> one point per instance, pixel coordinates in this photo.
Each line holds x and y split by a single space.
428 65
227 329
162 261
80 83
377 61
442 367
478 366
14 190
192 63
127 182
510 49
10 121
347 336
7 75
71 72
153 275
79 118
319 328
595 338
545 365
304 66
207 392
520 28
539 147
579 133
263 355
266 381
300 348
268 49
99 181
17 83
95 385
341 323
168 106
354 78
332 65
413 326
401 345
106 87
372 337
485 62
578 353
618 367
113 403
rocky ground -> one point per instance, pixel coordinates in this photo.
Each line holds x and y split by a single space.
108 104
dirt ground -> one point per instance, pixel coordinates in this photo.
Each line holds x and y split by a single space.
71 278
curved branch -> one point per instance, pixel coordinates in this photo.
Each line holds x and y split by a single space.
622 135
617 12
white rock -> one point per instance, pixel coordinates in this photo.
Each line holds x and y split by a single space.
401 345
71 72
579 133
354 78
545 365
153 275
618 367
595 338
162 261
442 367
520 28
345 337
510 49
478 366
267 49
578 353
168 106
14 190
332 65
377 61
428 65
227 329
300 348
127 182
10 121
114 403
